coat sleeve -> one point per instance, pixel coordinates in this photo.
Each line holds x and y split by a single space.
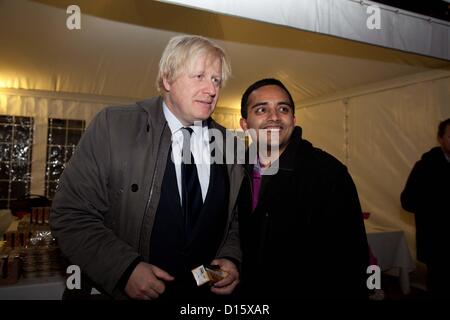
347 255
358 247
79 214
231 247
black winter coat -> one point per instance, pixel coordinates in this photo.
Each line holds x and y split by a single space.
306 238
426 194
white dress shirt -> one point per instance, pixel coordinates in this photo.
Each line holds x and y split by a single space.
447 157
199 148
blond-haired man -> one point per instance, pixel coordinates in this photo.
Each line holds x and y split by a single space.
135 220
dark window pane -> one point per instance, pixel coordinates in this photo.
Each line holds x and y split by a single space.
22 134
58 123
15 157
23 121
69 153
19 171
5 133
54 171
63 136
21 152
5 152
76 124
73 136
6 119
3 204
4 170
57 136
18 189
4 185
51 189
56 155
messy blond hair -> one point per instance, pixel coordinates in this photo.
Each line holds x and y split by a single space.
182 51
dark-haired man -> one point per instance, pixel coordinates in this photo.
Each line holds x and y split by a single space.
302 231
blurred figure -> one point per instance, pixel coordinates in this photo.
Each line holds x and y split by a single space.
427 195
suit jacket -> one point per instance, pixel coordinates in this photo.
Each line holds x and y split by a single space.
103 212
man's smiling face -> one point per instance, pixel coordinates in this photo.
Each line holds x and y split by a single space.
270 108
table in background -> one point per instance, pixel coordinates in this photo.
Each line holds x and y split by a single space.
393 255
44 288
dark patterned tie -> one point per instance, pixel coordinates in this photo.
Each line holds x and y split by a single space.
192 193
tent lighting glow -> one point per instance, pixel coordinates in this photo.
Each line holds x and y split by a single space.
3 83
370 97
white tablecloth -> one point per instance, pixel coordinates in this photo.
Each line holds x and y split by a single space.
392 252
50 288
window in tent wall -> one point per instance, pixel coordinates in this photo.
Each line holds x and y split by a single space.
16 142
62 138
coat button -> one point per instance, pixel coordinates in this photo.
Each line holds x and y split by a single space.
134 187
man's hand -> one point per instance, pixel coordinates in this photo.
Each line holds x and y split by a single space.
147 282
227 284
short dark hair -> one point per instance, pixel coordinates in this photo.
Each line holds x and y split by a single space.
442 126
258 84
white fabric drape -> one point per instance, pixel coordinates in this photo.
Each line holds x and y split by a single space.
380 135
44 105
343 18
21 103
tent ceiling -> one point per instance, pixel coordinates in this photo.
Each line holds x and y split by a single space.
117 50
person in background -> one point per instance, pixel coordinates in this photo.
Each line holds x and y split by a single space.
135 220
302 230
426 194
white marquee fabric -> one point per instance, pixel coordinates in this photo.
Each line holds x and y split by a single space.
374 108
347 19
117 49
41 107
379 135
